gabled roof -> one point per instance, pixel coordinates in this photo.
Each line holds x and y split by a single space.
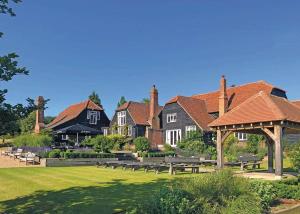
261 107
236 95
196 109
139 112
78 128
72 112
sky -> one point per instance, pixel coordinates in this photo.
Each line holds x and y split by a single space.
122 47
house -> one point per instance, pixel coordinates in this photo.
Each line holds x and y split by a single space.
79 121
181 115
294 138
135 119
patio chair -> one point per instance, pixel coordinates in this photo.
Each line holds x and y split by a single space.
16 154
28 158
7 151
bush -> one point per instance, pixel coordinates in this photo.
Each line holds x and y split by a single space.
253 141
117 141
169 201
101 144
287 191
142 144
156 154
32 140
265 191
71 155
219 192
55 153
294 156
168 148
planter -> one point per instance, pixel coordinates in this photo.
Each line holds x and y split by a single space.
56 162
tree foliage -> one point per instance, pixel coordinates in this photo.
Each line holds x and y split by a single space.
122 101
27 124
146 100
95 98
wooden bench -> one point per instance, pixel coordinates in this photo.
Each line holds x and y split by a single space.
249 160
178 163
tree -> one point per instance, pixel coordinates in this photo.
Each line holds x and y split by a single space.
27 124
95 98
8 120
8 64
122 101
146 100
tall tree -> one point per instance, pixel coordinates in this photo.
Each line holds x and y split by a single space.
122 101
95 98
8 64
146 100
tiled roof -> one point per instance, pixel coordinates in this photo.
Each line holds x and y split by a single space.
72 112
138 111
261 107
297 103
196 109
236 95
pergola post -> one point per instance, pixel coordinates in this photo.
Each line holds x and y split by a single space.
270 155
278 132
220 152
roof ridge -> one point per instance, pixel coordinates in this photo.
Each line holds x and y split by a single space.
238 86
274 106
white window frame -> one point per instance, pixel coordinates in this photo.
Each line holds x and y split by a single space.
171 118
121 118
241 136
105 131
173 136
129 131
93 116
189 129
65 137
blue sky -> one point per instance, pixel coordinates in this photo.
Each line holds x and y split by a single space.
123 47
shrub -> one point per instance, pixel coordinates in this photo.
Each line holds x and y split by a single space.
101 143
141 144
32 140
294 156
71 155
117 141
219 192
287 191
55 153
253 141
193 144
156 154
265 191
168 148
246 204
169 201
212 152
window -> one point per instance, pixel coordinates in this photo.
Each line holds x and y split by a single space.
105 131
189 130
129 130
120 130
171 118
64 137
241 136
121 118
173 136
93 116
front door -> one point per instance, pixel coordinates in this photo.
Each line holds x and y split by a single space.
173 136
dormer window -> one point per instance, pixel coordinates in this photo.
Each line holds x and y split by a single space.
171 118
121 118
93 117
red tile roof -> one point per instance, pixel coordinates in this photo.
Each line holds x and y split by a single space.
236 95
196 109
261 107
72 112
138 111
297 103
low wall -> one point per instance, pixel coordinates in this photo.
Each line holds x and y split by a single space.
55 162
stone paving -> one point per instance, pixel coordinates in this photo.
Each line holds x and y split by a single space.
7 162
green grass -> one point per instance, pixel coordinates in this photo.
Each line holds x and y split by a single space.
75 189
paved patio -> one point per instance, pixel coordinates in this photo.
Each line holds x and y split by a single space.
7 162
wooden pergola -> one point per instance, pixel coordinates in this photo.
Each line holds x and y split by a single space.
263 114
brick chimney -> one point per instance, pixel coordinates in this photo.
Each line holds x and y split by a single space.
154 108
223 99
39 124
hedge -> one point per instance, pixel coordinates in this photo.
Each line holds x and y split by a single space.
69 155
156 154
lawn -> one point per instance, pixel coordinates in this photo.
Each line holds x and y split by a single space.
75 189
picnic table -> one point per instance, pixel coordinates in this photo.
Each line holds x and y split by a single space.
249 160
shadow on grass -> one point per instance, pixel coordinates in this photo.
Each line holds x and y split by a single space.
112 197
